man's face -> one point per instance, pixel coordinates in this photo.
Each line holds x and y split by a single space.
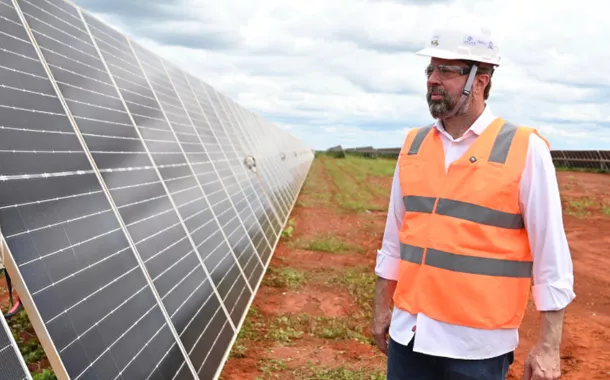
445 87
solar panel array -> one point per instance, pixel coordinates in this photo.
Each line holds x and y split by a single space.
586 159
139 205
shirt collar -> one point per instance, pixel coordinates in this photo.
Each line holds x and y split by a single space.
482 122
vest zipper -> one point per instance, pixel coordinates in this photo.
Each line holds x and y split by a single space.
423 259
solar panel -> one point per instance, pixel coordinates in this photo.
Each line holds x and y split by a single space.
237 138
272 157
136 235
227 132
243 140
263 152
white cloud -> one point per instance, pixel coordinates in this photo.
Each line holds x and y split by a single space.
344 72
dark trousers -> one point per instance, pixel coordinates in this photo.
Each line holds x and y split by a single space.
405 364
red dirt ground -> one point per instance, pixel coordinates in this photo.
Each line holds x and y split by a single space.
586 337
586 343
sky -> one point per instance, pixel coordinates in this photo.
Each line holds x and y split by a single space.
345 72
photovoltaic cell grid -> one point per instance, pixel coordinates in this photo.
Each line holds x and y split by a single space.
137 235
269 175
275 170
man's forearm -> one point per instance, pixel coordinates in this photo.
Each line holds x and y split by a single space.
384 290
551 327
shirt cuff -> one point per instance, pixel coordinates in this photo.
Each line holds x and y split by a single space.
387 266
554 296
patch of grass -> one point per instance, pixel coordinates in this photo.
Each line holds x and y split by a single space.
337 328
284 278
377 167
351 176
315 191
360 283
46 374
24 335
364 170
312 372
382 167
329 243
287 327
353 193
283 329
270 367
350 196
288 231
585 206
583 202
248 331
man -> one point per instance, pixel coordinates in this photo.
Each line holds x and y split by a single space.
474 214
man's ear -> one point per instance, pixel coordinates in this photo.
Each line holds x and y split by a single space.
481 82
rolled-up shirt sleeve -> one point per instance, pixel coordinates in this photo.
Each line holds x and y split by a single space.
553 287
388 257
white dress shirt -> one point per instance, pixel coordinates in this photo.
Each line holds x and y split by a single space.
552 270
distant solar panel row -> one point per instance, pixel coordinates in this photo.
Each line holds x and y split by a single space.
137 235
588 159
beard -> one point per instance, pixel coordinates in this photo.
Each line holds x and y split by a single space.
442 107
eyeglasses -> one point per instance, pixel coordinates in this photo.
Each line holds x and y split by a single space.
447 72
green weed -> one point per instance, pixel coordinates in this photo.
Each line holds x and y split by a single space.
585 206
288 231
284 278
46 374
340 373
329 243
360 283
288 327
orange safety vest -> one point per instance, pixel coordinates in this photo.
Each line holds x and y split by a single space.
465 254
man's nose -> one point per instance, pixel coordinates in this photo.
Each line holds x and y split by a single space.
434 78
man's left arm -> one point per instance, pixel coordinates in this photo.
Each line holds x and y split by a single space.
553 287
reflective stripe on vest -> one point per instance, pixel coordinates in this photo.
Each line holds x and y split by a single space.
419 138
466 264
463 210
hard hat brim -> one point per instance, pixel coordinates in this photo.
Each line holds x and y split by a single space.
446 54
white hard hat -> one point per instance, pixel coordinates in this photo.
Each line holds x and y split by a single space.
463 41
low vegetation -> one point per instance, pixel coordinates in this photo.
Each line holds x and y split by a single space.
357 182
326 242
284 278
30 347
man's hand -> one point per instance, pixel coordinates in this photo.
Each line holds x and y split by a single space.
543 361
381 326
382 314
